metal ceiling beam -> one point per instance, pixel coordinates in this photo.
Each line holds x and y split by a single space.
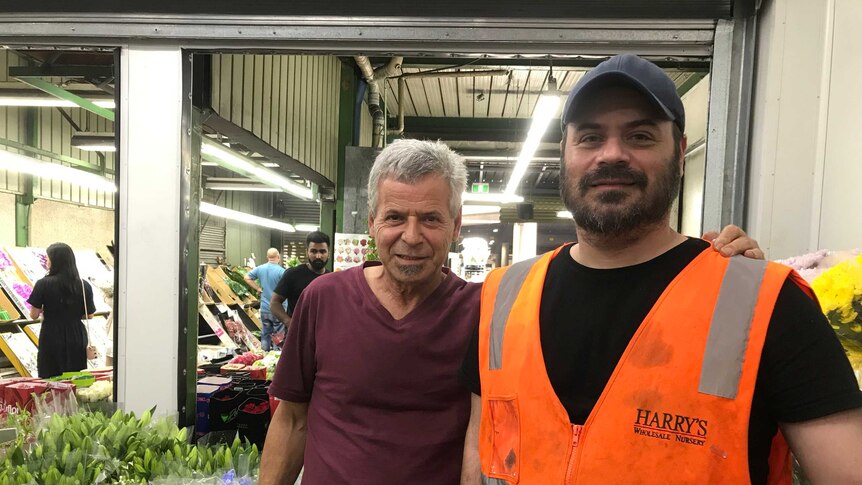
85 72
352 35
537 9
213 121
693 64
473 129
61 93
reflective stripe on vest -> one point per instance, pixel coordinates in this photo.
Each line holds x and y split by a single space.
510 286
729 328
728 331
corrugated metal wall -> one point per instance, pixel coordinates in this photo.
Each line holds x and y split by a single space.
243 239
54 135
366 127
290 102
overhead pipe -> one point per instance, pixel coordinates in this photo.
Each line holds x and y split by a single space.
429 75
374 77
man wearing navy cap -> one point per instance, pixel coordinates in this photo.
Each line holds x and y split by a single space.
638 355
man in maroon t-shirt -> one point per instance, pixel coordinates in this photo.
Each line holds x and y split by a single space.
368 377
368 374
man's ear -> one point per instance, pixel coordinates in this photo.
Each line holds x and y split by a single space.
683 145
371 225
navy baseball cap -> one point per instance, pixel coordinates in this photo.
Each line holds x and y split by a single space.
640 74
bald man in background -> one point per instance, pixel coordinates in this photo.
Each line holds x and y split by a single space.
269 275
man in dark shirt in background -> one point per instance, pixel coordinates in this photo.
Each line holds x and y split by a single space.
295 280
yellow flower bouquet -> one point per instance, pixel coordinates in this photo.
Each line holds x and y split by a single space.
839 290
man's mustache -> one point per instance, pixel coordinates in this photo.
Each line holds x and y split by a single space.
616 172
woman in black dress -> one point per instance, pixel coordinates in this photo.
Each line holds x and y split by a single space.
58 298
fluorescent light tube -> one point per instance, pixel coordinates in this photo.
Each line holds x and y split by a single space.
307 227
543 113
231 160
233 215
241 187
53 171
491 198
564 214
50 102
270 165
94 141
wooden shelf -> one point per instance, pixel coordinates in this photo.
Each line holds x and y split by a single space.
11 309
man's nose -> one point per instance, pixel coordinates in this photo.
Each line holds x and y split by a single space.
613 151
411 233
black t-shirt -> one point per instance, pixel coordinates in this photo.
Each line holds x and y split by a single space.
588 316
292 282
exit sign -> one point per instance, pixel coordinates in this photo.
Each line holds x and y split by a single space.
479 189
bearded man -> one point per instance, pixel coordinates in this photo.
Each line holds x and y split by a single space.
639 355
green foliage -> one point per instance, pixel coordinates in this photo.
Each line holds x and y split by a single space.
236 281
293 262
94 448
371 255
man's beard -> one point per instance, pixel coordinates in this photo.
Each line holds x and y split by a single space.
610 217
319 264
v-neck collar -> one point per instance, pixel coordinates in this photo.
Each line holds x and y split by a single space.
415 314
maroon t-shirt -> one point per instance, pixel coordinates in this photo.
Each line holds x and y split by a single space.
385 404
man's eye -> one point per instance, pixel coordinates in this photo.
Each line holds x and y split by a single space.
590 138
641 137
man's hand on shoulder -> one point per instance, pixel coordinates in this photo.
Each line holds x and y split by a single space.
732 241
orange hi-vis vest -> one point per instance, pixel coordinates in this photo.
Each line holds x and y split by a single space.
677 406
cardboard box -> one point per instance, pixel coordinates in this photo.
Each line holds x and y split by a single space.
202 408
221 382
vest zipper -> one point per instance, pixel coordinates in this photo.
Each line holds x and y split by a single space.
577 430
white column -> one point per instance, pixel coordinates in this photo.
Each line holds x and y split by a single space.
149 247
524 241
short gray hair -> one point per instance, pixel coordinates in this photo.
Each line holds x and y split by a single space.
409 161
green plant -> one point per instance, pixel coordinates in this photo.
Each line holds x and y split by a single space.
93 448
371 255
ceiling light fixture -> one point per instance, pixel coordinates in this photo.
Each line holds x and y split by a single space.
491 198
270 165
94 141
307 227
545 110
49 102
564 214
53 171
241 187
233 161
238 216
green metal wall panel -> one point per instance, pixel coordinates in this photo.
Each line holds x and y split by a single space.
290 102
241 240
11 123
55 135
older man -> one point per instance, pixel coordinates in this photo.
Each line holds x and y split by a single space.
638 355
368 379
